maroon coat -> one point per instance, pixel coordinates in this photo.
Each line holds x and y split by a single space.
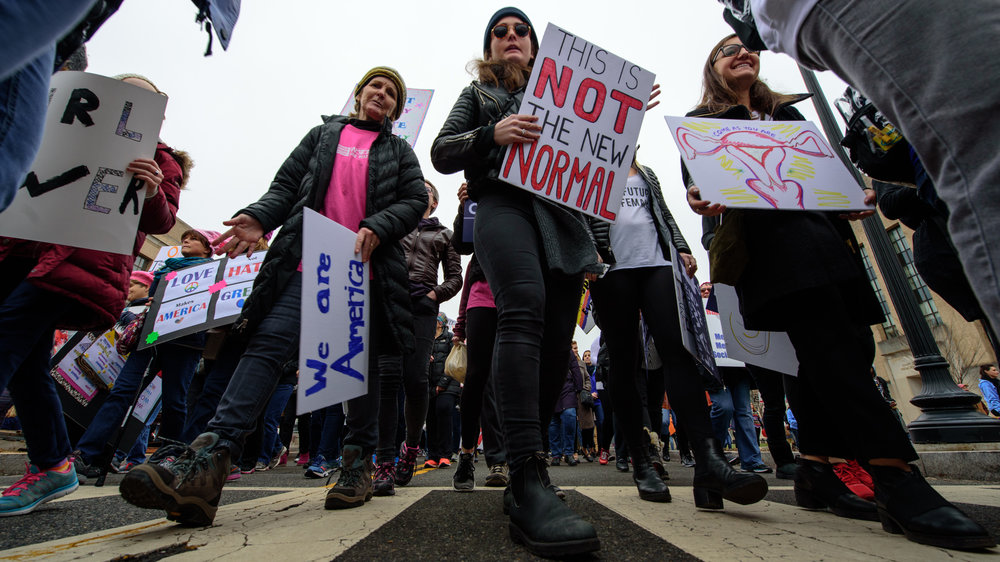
98 280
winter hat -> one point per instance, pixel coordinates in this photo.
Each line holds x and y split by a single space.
499 15
204 236
140 77
397 80
144 277
442 318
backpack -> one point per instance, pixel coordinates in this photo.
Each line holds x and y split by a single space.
875 145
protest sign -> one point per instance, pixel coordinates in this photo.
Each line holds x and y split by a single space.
771 350
78 192
468 220
714 321
101 362
196 298
68 373
694 327
333 342
407 127
585 315
162 256
148 399
784 165
590 104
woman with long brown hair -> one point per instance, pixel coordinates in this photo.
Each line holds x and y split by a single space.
785 262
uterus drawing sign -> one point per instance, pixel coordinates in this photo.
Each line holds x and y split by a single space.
764 164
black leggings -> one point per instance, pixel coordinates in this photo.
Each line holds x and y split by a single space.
619 297
536 312
478 405
772 393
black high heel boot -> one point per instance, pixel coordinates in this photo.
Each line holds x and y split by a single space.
817 487
648 480
908 505
540 520
715 479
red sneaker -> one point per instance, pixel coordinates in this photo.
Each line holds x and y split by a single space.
861 473
853 483
430 463
603 459
302 460
444 463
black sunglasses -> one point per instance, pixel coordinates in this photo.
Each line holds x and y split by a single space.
731 50
521 29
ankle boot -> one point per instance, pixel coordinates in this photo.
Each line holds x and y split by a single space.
715 479
817 487
540 520
648 480
908 505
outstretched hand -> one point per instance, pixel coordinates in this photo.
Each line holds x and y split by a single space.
243 234
703 208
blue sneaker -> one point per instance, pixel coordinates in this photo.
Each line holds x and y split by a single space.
35 488
321 467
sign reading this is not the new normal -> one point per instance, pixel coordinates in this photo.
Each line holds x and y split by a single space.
78 192
590 104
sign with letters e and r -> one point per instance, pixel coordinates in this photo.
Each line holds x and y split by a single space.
590 104
77 192
333 341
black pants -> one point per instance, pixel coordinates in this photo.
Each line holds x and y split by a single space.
619 297
839 410
772 393
607 430
479 407
536 312
440 411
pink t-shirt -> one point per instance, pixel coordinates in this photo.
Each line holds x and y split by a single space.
480 296
345 199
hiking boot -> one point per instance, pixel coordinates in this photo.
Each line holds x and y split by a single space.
385 479
498 476
37 487
465 475
406 465
354 486
188 489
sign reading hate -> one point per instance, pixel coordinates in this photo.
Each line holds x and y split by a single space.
590 104
78 192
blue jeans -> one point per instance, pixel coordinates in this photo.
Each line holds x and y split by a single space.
326 427
28 317
734 405
270 444
562 433
137 453
274 342
216 381
177 362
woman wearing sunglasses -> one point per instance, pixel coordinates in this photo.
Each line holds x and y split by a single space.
534 255
799 272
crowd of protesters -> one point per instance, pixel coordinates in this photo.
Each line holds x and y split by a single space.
528 400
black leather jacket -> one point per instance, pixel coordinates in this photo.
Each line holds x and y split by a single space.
666 229
427 247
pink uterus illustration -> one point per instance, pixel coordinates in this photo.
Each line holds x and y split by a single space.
762 155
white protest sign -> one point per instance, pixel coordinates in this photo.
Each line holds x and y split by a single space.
694 328
407 127
103 359
722 358
162 256
333 342
784 165
181 314
590 104
231 300
241 268
772 350
148 399
189 281
77 192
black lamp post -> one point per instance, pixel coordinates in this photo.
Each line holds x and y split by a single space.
949 413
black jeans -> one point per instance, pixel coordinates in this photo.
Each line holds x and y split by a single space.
619 297
440 413
772 393
413 377
479 406
536 312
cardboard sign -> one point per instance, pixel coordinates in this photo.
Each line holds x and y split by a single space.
407 127
196 298
714 321
590 104
784 165
78 192
333 341
694 327
772 350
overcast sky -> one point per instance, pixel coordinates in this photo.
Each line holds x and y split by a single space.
240 112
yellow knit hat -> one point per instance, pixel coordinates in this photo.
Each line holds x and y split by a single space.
397 80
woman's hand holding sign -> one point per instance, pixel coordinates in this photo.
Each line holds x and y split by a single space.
243 234
365 243
517 128
703 208
148 171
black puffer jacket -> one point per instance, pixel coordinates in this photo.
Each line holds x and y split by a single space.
395 201
666 229
440 351
425 248
466 143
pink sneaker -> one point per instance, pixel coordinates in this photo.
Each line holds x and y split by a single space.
283 461
302 460
234 474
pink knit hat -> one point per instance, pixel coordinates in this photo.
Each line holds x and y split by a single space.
144 277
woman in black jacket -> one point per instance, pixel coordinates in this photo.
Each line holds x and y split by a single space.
534 254
377 190
799 272
640 279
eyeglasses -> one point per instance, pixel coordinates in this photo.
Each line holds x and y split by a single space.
501 30
732 50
